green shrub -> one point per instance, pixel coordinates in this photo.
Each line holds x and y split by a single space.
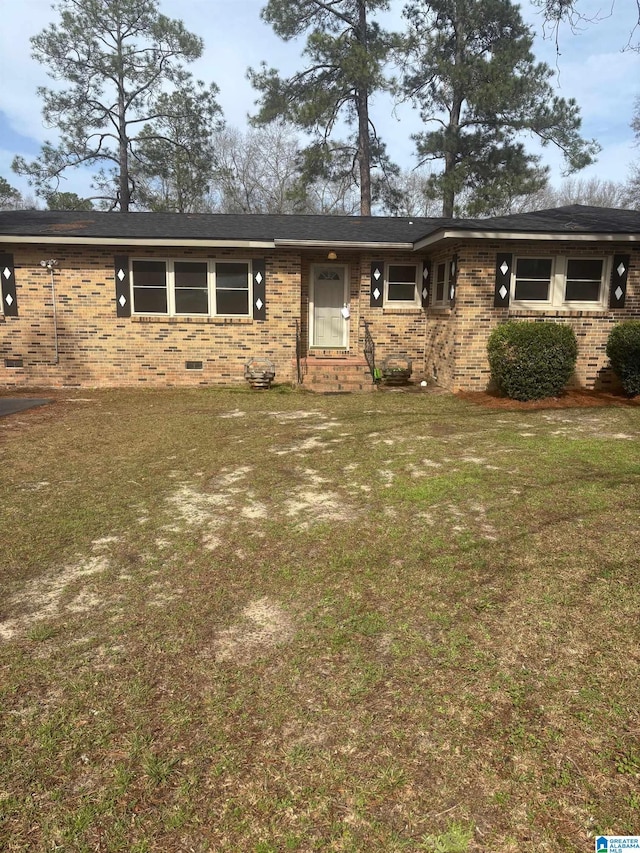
623 349
530 361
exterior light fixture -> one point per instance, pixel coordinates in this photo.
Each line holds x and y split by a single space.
332 256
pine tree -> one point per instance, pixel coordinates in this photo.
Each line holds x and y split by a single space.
120 59
470 69
346 54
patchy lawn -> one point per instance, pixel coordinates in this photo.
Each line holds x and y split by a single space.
277 622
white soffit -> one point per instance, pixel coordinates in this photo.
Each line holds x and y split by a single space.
565 236
150 242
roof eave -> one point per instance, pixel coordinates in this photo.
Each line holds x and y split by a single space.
461 234
341 244
63 239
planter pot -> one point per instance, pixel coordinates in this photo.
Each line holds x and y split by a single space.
396 370
259 373
396 377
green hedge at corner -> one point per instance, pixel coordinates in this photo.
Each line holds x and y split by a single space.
531 361
623 349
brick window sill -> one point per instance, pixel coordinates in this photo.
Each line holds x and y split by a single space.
411 310
560 312
215 321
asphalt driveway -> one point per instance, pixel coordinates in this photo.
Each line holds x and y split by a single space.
11 405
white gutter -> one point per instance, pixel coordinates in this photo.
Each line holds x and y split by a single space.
340 244
524 235
151 242
138 241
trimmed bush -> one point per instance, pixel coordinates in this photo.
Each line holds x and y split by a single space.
623 349
531 361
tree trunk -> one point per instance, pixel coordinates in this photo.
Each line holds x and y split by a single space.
123 143
451 140
364 152
452 133
364 143
123 159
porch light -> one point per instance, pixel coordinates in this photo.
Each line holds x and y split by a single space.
332 256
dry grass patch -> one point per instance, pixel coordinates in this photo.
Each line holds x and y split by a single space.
252 626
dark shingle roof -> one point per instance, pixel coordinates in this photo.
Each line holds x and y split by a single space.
577 218
100 225
215 226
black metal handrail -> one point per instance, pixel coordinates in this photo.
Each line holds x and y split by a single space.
370 351
298 352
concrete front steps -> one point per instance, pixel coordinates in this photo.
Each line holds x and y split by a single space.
335 374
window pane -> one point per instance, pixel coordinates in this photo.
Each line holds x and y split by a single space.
584 277
149 273
583 291
404 273
150 300
533 279
192 301
440 282
590 270
533 268
232 302
234 276
190 275
402 292
149 287
533 290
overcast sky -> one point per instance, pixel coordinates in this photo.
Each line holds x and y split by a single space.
592 68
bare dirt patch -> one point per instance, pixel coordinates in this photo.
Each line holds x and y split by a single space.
196 508
41 598
264 624
316 506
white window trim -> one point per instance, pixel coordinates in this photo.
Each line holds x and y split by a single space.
211 286
444 302
402 303
558 283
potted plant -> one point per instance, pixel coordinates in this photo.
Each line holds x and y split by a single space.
396 370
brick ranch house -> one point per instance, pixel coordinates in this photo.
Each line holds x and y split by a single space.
181 299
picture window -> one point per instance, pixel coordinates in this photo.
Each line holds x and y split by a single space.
560 283
191 288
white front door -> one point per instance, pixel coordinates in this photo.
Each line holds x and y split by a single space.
328 298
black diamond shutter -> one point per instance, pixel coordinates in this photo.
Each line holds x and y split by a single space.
259 290
377 284
123 289
453 280
426 284
503 280
619 273
8 279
